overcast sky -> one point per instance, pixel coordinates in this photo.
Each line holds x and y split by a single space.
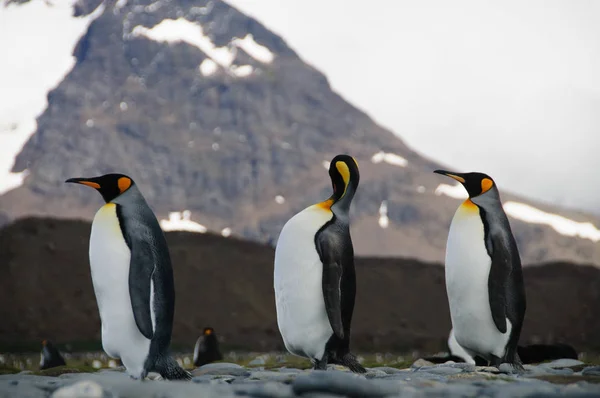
510 88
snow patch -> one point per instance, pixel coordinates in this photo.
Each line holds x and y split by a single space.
326 164
34 41
123 106
255 50
279 199
384 221
421 189
391 158
226 232
560 224
208 67
181 221
242 71
181 30
454 191
215 146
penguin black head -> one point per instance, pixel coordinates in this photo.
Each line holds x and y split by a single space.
475 183
109 185
344 174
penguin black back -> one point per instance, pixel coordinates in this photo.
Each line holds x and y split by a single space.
207 348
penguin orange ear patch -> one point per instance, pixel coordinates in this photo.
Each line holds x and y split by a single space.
486 185
124 184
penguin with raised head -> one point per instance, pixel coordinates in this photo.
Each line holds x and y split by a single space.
207 348
132 278
314 278
484 279
50 356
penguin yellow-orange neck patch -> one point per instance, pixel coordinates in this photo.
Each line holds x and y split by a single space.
344 171
124 184
469 205
486 185
326 205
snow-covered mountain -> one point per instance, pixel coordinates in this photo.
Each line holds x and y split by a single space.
222 125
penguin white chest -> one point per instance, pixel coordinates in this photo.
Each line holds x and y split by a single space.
109 261
298 281
467 271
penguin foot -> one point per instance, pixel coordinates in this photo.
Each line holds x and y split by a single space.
320 364
350 361
169 369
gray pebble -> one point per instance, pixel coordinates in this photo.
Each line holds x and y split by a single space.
220 365
387 370
265 390
289 370
507 368
266 375
591 371
224 369
21 389
258 361
562 363
84 388
342 383
440 370
374 373
420 363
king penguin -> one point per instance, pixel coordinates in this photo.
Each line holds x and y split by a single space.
50 356
206 349
314 278
132 278
484 279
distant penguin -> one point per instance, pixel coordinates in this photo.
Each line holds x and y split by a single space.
207 348
50 356
132 278
484 279
314 278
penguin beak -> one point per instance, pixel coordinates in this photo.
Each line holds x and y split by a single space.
456 176
84 181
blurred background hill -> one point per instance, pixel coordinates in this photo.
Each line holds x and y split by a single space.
228 132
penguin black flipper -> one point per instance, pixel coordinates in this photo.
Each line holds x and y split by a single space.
141 268
329 247
498 279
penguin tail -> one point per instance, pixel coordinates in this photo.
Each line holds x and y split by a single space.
169 369
351 363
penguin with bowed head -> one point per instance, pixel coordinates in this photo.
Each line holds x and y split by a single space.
314 277
207 348
484 279
132 278
50 356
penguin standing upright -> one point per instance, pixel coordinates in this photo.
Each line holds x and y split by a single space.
484 279
50 356
207 348
132 278
314 278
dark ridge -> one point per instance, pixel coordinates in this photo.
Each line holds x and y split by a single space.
401 304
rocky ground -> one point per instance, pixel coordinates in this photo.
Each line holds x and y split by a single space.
422 379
